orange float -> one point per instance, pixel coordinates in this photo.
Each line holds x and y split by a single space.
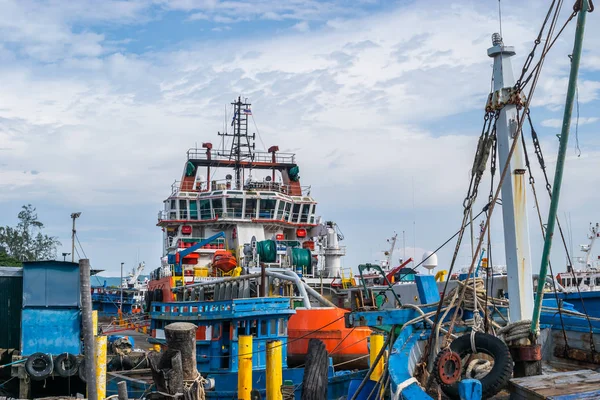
344 345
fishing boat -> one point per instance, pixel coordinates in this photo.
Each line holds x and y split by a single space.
468 343
125 299
242 214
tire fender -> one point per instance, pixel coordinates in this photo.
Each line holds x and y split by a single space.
66 365
500 373
39 366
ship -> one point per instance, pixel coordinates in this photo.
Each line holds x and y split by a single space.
239 212
126 300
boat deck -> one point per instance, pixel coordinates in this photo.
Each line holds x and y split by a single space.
582 384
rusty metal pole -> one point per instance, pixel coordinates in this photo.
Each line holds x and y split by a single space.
88 328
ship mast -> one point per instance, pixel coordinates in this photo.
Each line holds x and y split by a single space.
242 145
514 201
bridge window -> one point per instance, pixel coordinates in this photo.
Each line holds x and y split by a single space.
171 206
296 212
183 212
305 212
286 213
280 208
267 208
217 205
235 207
193 209
250 208
205 210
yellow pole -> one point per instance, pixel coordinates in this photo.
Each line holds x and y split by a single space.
244 367
274 370
375 348
95 322
101 366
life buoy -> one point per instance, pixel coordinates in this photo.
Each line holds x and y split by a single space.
39 366
491 383
66 365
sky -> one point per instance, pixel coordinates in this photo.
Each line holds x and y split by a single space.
381 100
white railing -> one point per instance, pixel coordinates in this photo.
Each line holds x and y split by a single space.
258 156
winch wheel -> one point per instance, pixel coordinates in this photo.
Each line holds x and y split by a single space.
501 370
66 365
39 366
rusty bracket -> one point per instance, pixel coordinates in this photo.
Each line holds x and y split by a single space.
503 97
526 353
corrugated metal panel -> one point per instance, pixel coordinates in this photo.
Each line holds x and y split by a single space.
11 302
51 331
50 284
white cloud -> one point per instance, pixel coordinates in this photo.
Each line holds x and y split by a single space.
198 16
557 123
364 101
302 26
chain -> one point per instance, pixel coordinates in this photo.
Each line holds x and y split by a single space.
536 42
484 145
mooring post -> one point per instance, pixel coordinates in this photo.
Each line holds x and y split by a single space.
88 328
182 336
101 342
375 346
244 367
274 370
95 322
122 390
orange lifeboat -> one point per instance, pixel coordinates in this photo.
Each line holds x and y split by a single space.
224 260
343 344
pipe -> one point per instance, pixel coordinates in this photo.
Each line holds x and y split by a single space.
375 347
274 370
560 162
244 367
299 284
88 328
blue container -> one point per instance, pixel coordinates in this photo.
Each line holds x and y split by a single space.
365 391
51 331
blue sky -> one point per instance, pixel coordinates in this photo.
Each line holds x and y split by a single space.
382 101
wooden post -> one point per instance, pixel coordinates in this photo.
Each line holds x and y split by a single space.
101 366
88 328
122 388
274 370
244 367
182 336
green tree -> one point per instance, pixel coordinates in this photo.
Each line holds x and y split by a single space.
26 242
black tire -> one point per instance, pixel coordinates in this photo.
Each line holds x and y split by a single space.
66 365
501 371
39 366
82 371
158 295
314 382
